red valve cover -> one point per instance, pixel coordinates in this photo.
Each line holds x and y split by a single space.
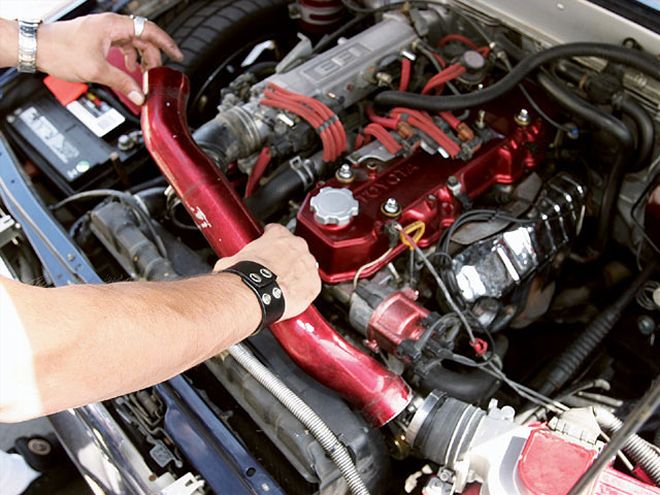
418 183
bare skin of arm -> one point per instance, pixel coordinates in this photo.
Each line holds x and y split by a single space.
65 347
76 50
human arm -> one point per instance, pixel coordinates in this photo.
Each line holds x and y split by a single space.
76 50
65 347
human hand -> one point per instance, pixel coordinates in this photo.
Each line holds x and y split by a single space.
289 258
76 50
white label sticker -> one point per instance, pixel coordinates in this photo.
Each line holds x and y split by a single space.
49 134
98 124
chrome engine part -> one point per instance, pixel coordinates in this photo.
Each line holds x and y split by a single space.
491 268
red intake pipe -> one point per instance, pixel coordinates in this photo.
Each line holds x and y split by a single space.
227 225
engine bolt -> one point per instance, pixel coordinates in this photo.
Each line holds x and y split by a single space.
481 119
444 475
391 208
345 174
523 118
646 325
383 79
454 185
125 142
39 446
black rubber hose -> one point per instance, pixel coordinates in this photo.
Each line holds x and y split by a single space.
613 126
645 127
585 110
623 102
571 360
633 58
269 198
473 386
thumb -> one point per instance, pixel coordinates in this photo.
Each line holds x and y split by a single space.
120 81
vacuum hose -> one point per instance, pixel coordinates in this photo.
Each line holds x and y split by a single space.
614 127
632 58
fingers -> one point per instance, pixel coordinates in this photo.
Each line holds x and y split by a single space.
159 39
275 227
130 56
150 54
118 79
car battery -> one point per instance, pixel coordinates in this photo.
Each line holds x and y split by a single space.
76 137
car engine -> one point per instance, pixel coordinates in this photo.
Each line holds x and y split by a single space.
475 200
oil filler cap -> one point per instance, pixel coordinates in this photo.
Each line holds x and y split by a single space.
334 206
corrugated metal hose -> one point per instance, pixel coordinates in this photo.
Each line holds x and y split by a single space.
636 447
317 427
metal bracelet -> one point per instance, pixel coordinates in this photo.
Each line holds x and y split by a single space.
27 46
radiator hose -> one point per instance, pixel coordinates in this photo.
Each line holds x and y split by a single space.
316 426
575 355
636 447
626 56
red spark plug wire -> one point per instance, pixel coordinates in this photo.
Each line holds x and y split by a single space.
445 40
330 118
258 171
311 117
439 80
406 67
423 122
387 122
377 131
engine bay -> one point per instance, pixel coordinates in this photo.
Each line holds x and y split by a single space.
480 205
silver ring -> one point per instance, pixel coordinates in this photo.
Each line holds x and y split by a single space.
138 24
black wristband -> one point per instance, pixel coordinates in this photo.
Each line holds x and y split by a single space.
263 283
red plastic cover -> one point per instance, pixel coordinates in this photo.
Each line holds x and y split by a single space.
550 465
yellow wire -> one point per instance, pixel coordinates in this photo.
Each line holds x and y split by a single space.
415 231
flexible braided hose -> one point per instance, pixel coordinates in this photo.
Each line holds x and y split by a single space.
636 447
317 427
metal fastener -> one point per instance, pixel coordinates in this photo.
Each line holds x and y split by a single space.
83 166
345 174
384 79
481 119
646 325
408 54
391 207
125 142
39 446
454 185
523 118
266 299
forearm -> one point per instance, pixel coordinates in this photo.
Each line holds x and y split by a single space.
88 343
8 43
